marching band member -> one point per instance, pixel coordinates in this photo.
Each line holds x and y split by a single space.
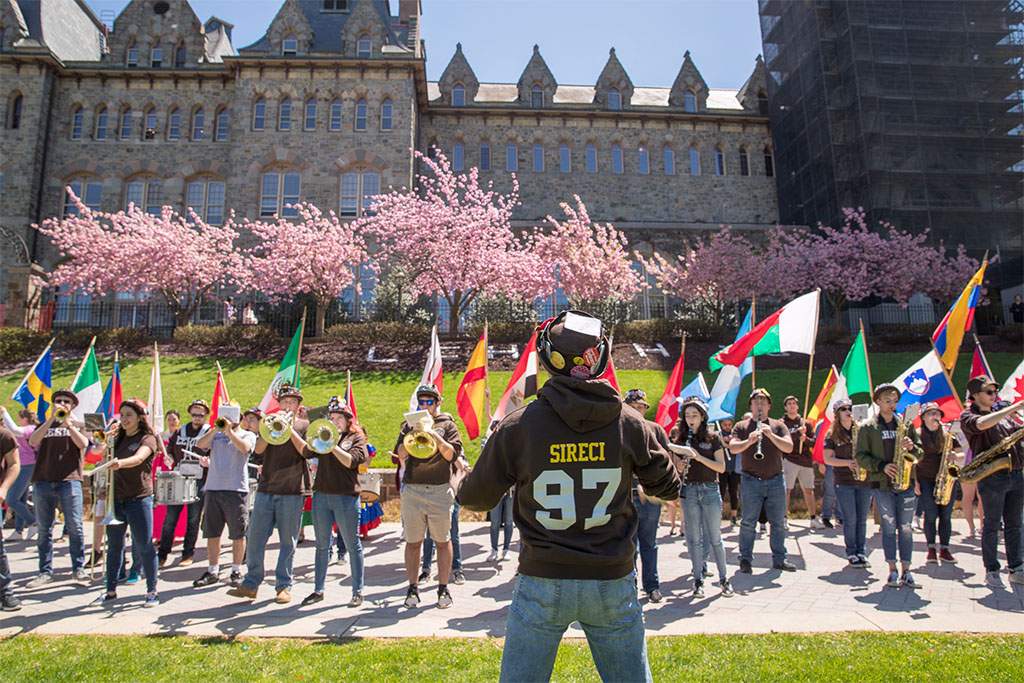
933 442
57 478
284 483
336 500
135 447
226 497
702 504
648 512
427 496
172 420
798 465
854 495
1001 492
184 439
11 467
17 496
729 481
875 452
762 441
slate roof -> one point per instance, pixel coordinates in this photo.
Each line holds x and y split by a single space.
68 28
719 99
327 27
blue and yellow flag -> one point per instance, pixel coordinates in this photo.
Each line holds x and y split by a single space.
36 392
958 321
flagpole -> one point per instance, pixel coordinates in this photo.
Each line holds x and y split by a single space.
298 356
753 361
810 363
32 369
948 378
867 364
81 367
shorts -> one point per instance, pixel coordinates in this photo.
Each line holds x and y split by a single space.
427 506
797 473
229 508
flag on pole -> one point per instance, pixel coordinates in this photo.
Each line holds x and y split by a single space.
522 385
855 367
350 398
950 333
87 385
609 372
979 365
926 380
432 371
1012 389
697 387
469 401
220 395
727 385
35 392
155 401
821 403
668 406
287 373
112 397
833 390
793 328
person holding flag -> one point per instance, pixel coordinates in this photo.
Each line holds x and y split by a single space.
854 495
57 478
182 443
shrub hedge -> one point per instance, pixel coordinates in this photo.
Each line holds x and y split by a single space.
377 332
257 337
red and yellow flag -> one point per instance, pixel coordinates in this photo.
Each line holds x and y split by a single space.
821 403
469 401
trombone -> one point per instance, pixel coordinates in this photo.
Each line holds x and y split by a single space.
109 518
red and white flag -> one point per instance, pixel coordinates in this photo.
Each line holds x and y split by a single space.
668 406
350 398
523 384
1013 388
609 373
220 395
432 371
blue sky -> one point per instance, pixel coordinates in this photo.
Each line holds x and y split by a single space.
497 36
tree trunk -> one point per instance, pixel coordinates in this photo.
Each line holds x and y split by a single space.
321 316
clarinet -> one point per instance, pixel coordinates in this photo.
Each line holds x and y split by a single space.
686 459
758 454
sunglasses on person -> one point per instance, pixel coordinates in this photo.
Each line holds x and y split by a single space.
197 416
425 401
845 410
990 392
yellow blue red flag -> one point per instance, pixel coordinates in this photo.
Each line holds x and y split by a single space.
35 391
950 332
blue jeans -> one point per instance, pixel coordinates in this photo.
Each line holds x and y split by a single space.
608 612
17 498
897 513
136 513
329 509
771 493
46 495
285 513
936 515
6 585
702 514
855 501
428 545
829 503
1002 495
501 514
645 542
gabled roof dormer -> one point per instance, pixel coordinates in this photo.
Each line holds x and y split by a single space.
613 79
689 80
536 77
364 22
754 93
289 28
458 72
168 26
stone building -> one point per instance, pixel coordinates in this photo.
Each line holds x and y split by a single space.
327 106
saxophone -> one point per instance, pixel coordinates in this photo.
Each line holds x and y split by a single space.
948 472
988 462
861 474
903 459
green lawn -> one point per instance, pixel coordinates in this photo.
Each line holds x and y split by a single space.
382 397
861 657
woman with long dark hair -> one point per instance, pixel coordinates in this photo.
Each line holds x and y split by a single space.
854 495
933 441
17 496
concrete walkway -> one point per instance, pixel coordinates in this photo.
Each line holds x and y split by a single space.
823 596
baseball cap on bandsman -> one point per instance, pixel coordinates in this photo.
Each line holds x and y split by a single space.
841 403
255 410
975 385
572 344
288 391
201 403
883 388
67 393
339 405
760 391
429 390
636 396
930 406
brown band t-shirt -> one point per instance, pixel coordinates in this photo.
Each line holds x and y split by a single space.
771 464
135 482
983 439
58 459
932 443
803 452
844 451
334 478
7 444
699 473
285 470
435 469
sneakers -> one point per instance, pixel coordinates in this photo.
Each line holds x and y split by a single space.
284 596
785 566
240 591
356 601
40 580
655 596
853 561
817 523
908 580
185 561
933 557
745 567
97 557
152 600
1017 575
946 556
162 562
894 579
698 589
727 591
15 536
993 580
312 599
493 557
133 577
80 576
105 598
827 523
864 561
917 524
458 577
30 532
9 603
236 579
444 598
412 597
423 577
785 523
505 554
207 579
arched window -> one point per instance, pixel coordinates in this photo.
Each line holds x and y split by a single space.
694 161
538 157
126 123
198 124
77 117
458 95
485 156
643 161
769 163
14 107
537 97
259 114
180 56
616 159
290 45
279 186
146 193
336 114
310 119
156 56
132 60
149 125
690 102
614 99
511 157
89 189
360 115
363 46
284 114
670 160
358 186
719 161
101 123
385 115
174 124
222 124
744 162
564 158
205 196
591 158
457 156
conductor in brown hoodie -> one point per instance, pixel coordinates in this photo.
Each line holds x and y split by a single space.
571 456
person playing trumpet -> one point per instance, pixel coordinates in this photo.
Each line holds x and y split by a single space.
182 441
284 483
427 495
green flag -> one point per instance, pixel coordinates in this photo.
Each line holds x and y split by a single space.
855 368
87 386
288 373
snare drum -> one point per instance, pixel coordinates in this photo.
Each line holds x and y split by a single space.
174 488
370 483
253 484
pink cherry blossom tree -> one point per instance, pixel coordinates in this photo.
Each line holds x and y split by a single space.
949 273
453 238
181 259
588 260
314 253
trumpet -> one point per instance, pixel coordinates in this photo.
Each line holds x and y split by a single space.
420 442
276 429
99 436
323 436
60 414
221 424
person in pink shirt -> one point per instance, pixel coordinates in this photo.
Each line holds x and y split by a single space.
17 497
